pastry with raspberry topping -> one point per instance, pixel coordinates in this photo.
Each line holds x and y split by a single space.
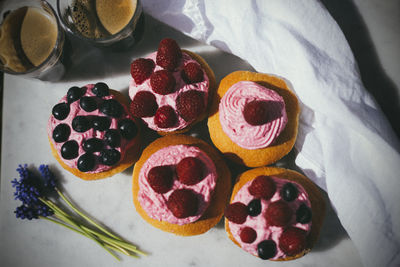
171 88
281 224
92 133
181 185
254 118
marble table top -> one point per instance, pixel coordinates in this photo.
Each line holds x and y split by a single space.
26 108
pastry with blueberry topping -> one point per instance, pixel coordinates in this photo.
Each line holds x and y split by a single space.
181 185
274 213
92 133
171 88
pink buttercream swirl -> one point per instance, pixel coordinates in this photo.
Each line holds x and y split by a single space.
170 99
76 110
259 223
154 204
237 128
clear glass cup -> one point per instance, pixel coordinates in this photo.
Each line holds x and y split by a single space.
32 41
85 20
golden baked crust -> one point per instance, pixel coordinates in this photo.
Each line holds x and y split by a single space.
211 92
220 198
263 156
131 155
314 194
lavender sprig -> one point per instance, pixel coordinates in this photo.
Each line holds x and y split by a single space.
34 192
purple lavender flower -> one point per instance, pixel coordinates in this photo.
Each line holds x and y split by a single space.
29 189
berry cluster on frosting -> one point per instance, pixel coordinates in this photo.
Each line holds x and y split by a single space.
176 184
90 129
169 89
270 217
252 115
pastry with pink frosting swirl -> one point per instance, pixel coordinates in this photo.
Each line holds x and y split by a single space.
254 118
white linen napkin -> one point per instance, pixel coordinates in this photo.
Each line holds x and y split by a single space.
345 143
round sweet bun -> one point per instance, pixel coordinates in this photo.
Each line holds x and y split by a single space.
314 194
262 156
131 156
220 198
211 92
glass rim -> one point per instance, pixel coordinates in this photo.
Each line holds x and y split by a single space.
59 39
102 40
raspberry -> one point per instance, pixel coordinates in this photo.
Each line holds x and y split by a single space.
262 187
278 214
144 104
165 117
168 54
190 104
160 178
183 203
293 241
256 112
248 235
141 69
162 82
236 212
192 73
190 171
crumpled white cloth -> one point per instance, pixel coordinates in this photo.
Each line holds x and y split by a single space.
345 143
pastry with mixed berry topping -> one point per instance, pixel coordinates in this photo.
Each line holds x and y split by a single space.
171 88
92 133
181 185
254 118
274 213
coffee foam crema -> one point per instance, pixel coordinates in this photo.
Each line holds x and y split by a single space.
101 18
27 37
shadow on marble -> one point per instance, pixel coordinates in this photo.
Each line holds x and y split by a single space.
375 79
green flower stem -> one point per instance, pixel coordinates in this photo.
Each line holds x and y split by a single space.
119 243
85 216
60 214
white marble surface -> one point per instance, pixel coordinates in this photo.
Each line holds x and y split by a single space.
26 107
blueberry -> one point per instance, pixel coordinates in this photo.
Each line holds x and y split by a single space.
100 89
81 124
112 138
112 108
303 214
60 111
93 145
86 162
127 128
254 207
110 157
69 149
266 249
61 133
74 93
88 103
101 123
289 192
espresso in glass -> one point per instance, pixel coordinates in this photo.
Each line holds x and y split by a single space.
31 41
116 24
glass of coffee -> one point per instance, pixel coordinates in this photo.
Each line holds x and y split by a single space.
114 24
31 40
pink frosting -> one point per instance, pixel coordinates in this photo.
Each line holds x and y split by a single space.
75 110
237 128
259 223
155 204
170 99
